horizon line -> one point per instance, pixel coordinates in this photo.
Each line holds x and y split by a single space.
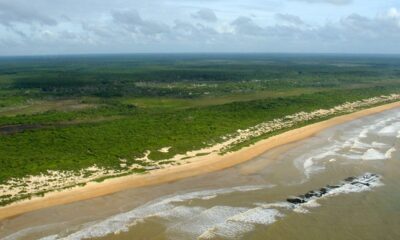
196 53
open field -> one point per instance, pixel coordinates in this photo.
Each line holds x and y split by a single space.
96 116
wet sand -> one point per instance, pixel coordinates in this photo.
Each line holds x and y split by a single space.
199 165
270 178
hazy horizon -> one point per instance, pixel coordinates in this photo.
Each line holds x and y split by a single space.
208 54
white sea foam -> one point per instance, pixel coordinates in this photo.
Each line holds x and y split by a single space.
363 133
373 154
311 204
380 123
209 197
356 151
355 147
23 233
52 237
197 224
347 144
353 156
390 130
351 149
283 205
357 144
257 215
242 222
311 165
304 207
379 145
179 212
308 163
362 184
390 152
227 230
164 208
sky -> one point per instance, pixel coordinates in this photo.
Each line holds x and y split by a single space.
43 27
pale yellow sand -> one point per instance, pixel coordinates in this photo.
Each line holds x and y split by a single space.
198 165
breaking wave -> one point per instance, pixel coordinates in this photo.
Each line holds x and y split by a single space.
163 208
367 143
184 221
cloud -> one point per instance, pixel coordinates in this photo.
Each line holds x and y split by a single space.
393 13
188 33
289 18
334 2
246 26
135 26
132 21
205 14
15 14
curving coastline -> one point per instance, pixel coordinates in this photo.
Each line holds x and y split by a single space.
200 165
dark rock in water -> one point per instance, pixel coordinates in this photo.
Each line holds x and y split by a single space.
318 194
311 194
363 183
323 191
296 200
350 179
356 183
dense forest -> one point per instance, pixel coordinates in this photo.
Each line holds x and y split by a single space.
70 112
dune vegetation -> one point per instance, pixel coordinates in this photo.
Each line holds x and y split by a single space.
91 117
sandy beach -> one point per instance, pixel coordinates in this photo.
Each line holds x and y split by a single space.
199 165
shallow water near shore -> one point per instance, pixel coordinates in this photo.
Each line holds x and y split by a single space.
343 183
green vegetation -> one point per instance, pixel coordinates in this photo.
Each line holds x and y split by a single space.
69 113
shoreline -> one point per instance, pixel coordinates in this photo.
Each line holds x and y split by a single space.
199 165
